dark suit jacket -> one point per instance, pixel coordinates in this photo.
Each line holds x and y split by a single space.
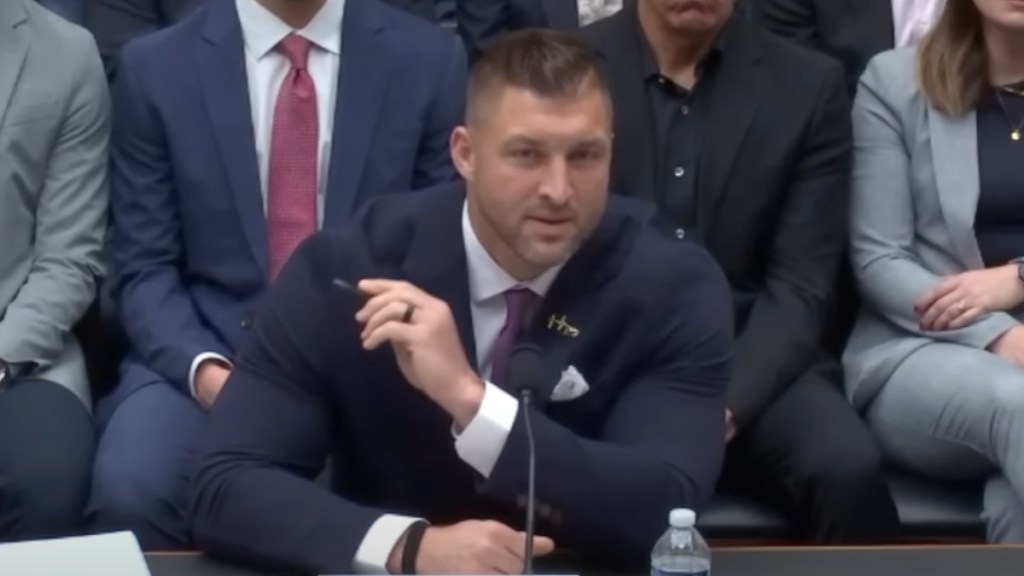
482 21
115 22
852 31
654 345
189 232
72 10
771 193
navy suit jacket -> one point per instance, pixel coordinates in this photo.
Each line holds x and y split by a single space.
654 317
189 233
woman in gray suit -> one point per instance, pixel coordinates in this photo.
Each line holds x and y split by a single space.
936 361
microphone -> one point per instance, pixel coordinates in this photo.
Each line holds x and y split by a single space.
528 376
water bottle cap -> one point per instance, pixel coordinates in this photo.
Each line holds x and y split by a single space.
682 518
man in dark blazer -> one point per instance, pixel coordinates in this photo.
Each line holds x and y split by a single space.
115 22
483 21
409 382
234 137
72 10
744 140
852 32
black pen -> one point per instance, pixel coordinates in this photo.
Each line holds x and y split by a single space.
346 287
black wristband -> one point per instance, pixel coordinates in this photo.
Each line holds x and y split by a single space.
412 546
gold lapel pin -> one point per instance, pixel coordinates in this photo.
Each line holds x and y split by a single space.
564 328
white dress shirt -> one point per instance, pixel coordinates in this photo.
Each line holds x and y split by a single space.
593 10
481 443
912 19
266 69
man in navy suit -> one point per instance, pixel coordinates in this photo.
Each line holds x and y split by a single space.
116 22
237 133
406 381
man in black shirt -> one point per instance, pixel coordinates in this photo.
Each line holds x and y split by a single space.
744 140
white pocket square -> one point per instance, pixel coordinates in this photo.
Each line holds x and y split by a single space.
571 386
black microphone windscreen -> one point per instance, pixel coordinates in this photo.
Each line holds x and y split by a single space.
528 370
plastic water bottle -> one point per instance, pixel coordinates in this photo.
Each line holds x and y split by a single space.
681 551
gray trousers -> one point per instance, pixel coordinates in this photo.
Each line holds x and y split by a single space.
954 412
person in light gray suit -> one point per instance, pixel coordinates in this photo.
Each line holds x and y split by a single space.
54 128
936 360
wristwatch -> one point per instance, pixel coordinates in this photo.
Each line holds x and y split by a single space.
1020 268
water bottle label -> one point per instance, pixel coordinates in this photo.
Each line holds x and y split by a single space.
696 572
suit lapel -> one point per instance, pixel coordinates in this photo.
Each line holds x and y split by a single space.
437 264
362 81
634 158
732 103
561 14
564 318
14 39
221 63
953 141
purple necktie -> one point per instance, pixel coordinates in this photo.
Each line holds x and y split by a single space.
291 186
517 304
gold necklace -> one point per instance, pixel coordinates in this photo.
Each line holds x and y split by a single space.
1015 132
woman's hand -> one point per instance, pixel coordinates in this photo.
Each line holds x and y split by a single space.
959 300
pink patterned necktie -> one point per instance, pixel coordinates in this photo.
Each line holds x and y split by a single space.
517 304
292 186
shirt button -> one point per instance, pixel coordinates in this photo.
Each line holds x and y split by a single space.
679 171
685 109
680 233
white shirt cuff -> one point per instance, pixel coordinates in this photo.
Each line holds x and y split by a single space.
375 549
195 367
481 443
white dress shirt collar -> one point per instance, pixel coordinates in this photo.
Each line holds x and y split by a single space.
262 30
486 278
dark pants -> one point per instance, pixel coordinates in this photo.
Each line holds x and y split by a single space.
810 454
142 475
46 451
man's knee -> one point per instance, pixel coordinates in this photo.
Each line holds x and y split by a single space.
42 507
46 456
131 489
141 475
132 495
843 468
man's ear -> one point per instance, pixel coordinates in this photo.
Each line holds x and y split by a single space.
461 145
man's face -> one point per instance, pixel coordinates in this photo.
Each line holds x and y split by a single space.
691 16
536 170
1007 14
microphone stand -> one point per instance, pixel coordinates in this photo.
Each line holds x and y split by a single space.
525 399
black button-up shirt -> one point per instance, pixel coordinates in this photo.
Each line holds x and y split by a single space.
676 117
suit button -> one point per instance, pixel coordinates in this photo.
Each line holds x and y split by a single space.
246 320
543 510
680 233
521 501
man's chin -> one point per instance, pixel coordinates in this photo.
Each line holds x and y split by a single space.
548 257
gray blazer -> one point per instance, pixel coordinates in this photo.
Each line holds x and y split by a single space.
54 129
914 194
